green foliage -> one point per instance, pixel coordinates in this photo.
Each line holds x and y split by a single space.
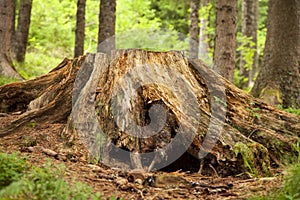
246 45
238 79
138 27
173 14
290 110
248 157
135 14
37 64
262 26
11 168
44 182
52 31
51 36
254 112
6 80
246 48
207 13
292 182
91 25
151 39
291 186
147 24
296 148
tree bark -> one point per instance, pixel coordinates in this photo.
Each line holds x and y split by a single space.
6 26
137 102
211 24
194 28
13 30
225 38
80 28
278 81
107 21
249 29
203 37
21 35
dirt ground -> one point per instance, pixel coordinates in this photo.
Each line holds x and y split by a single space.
43 142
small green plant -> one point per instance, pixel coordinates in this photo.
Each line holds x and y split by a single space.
28 141
254 112
290 110
248 157
32 124
44 182
292 183
296 148
11 168
291 186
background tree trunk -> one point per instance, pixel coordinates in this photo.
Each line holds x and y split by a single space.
225 38
6 26
203 37
107 21
21 35
13 30
80 28
212 23
279 78
254 137
194 28
249 29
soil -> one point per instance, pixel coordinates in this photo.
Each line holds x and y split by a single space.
43 142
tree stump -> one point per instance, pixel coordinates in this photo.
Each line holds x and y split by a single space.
157 110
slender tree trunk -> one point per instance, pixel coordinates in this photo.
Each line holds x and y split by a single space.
225 38
255 66
6 25
249 29
21 37
194 28
13 30
203 37
211 24
80 26
279 78
107 21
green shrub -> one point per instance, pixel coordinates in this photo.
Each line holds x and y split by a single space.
37 63
5 80
290 110
291 186
44 182
47 182
12 168
292 183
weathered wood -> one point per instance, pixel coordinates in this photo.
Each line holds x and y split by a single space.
139 102
46 99
16 96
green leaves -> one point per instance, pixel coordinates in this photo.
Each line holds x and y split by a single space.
46 182
11 168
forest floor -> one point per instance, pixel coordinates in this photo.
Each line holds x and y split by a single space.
47 144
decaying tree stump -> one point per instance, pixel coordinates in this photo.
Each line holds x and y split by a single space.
157 110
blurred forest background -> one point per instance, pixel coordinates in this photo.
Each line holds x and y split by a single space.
53 22
230 36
